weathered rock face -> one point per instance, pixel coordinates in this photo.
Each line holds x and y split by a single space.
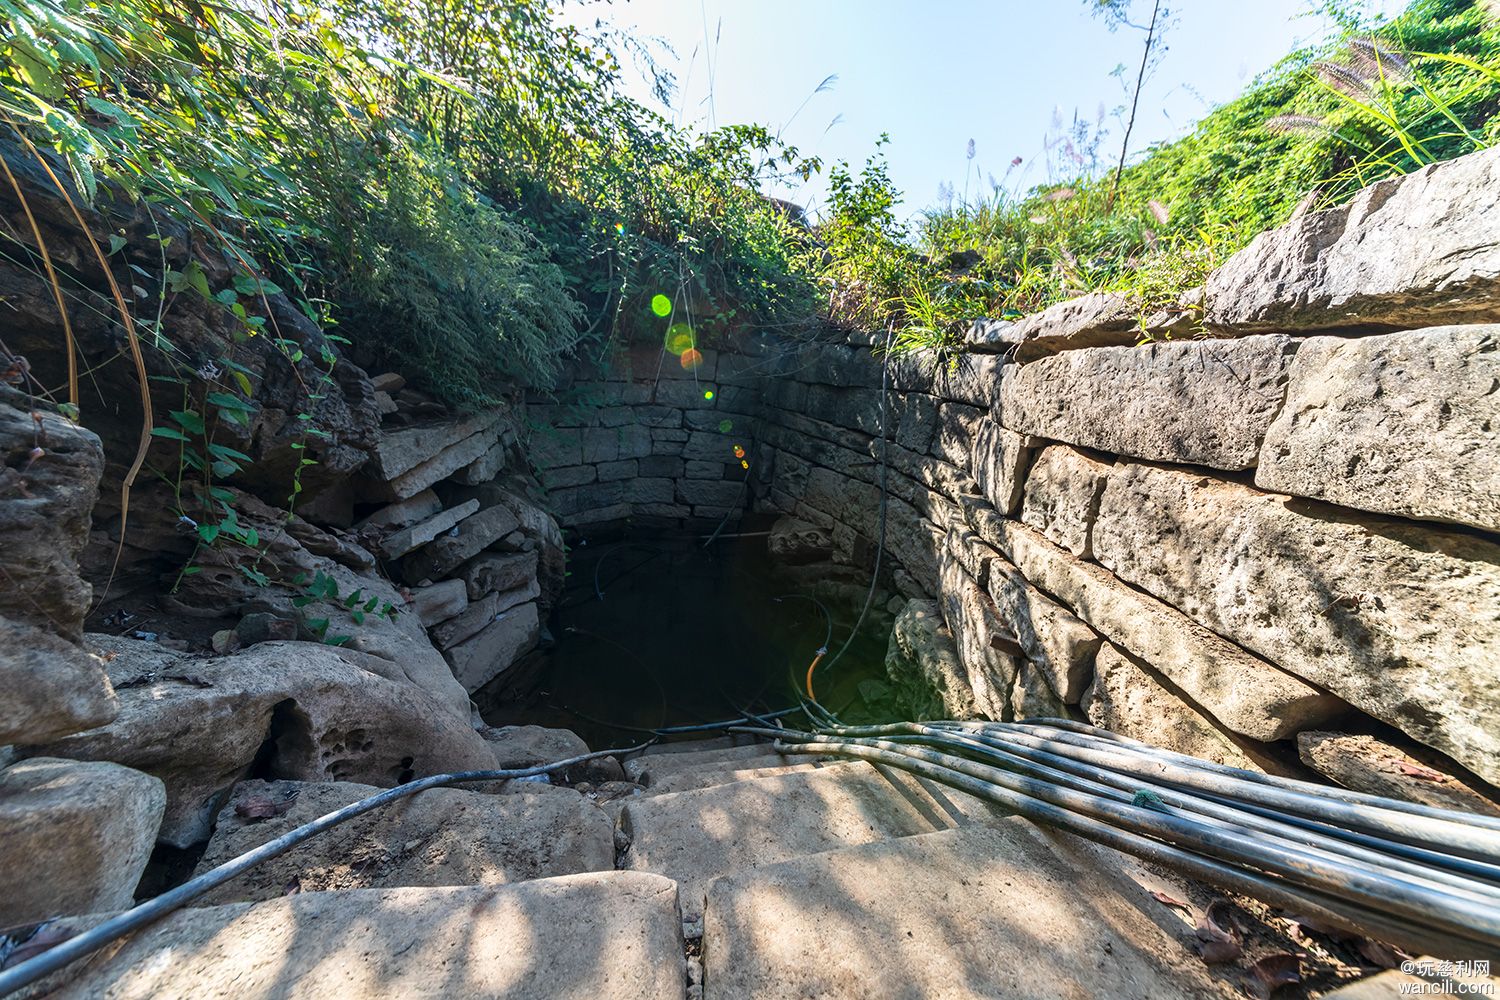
922 662
1349 602
1401 424
48 483
1246 694
340 408
443 836
1193 402
792 541
221 587
1411 251
1126 698
74 837
300 711
52 687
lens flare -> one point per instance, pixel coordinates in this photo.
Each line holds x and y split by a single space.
680 339
739 452
744 464
708 394
619 229
725 426
661 305
691 358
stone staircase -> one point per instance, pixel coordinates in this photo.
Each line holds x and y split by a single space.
722 870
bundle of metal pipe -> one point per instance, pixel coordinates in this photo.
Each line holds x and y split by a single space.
1421 878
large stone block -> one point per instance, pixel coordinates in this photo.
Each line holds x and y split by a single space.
302 710
1399 619
1130 699
1394 768
1417 250
1057 645
1061 497
1404 424
472 535
1099 319
52 687
986 646
921 660
443 463
74 837
1243 692
1001 460
958 429
46 506
489 653
1202 402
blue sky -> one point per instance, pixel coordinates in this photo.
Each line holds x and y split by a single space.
938 73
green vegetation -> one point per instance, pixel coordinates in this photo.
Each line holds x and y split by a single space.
1381 100
462 191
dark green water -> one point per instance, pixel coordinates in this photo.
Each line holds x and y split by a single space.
655 632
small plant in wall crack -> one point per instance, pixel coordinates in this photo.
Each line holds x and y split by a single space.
322 587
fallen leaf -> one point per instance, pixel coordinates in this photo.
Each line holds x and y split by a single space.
261 807
45 936
1219 942
1425 773
1162 897
1378 953
1274 971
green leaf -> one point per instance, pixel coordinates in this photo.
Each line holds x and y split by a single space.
208 532
171 433
338 640
188 420
243 382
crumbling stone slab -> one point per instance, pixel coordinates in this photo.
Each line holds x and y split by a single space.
396 453
1394 617
404 540
1400 424
1200 402
474 533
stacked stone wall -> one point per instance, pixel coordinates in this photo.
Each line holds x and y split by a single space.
1274 528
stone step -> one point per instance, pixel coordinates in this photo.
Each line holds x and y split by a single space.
576 937
443 836
646 769
713 743
696 836
1005 910
686 781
